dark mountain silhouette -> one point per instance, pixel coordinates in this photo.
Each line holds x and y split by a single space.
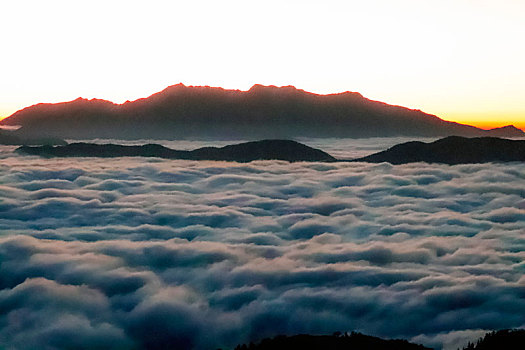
352 341
181 112
504 339
506 131
10 138
449 150
245 152
452 150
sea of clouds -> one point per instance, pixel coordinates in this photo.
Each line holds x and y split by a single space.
143 253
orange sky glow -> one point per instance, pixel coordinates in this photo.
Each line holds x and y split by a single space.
461 60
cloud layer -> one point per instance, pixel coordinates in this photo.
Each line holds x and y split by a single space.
133 252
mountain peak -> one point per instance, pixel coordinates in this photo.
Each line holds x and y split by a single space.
272 87
274 90
172 88
507 127
506 131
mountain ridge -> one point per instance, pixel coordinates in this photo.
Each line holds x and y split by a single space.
286 150
336 341
181 112
452 150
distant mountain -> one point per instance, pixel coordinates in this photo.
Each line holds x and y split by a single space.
352 341
10 138
506 131
452 150
181 112
245 152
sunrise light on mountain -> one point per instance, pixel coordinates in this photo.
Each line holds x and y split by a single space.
460 60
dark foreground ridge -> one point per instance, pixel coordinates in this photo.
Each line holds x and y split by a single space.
245 152
504 339
452 150
352 341
508 339
192 112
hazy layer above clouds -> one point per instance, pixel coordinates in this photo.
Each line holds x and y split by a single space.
136 252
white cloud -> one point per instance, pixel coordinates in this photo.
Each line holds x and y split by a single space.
135 251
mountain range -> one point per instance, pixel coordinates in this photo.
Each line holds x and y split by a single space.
182 112
449 150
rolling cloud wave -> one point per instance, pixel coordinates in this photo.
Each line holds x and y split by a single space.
129 253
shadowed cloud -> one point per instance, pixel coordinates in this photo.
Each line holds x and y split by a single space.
131 253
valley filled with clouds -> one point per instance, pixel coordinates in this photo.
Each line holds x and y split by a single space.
141 252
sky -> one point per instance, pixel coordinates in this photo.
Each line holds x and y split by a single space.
461 60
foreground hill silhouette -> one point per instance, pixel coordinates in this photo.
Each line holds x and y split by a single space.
245 152
497 340
505 339
352 341
452 150
449 150
182 112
